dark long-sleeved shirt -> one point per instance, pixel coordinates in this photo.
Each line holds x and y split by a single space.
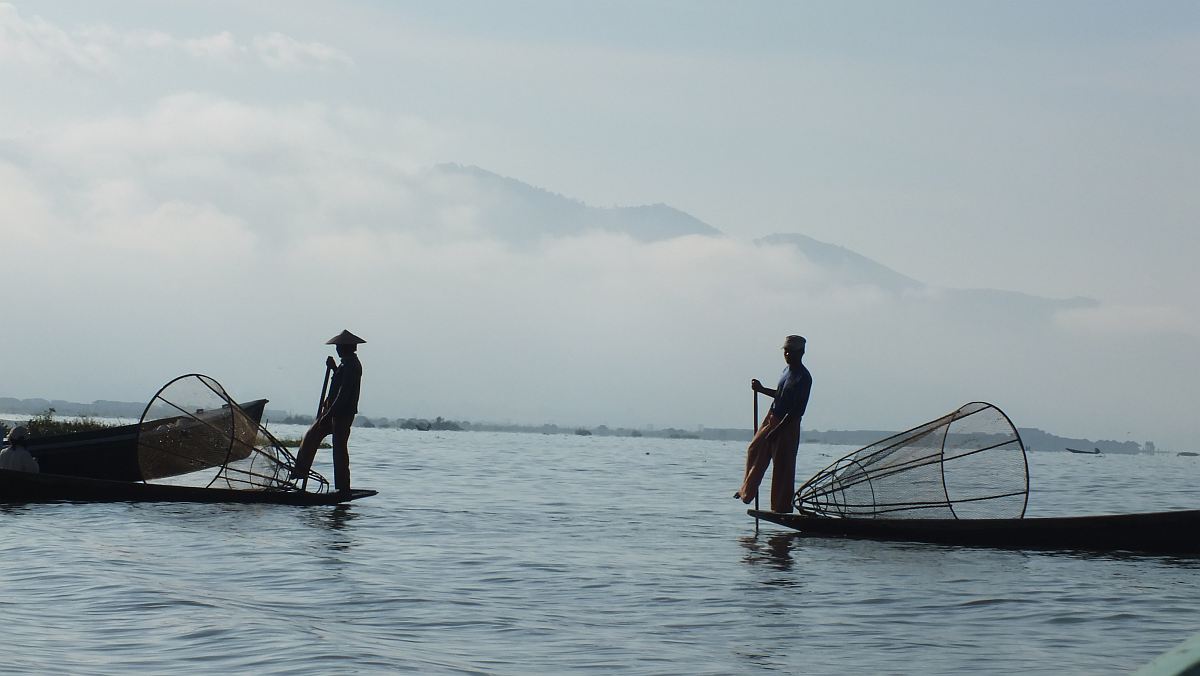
344 387
791 396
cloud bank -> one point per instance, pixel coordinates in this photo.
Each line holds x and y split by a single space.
34 41
206 234
223 200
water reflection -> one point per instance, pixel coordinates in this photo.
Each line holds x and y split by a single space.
337 520
774 550
1183 560
339 517
14 508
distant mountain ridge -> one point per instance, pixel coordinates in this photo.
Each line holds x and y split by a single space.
521 213
846 265
850 267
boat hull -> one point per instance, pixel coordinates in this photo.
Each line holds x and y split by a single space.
1160 532
110 453
24 487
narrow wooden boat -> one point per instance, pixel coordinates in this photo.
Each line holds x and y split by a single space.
24 487
1176 532
963 479
192 444
109 453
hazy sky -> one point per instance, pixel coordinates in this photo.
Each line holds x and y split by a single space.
221 186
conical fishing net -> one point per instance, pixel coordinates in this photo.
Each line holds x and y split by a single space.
969 464
192 433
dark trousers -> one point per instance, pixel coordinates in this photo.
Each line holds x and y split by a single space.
781 449
339 427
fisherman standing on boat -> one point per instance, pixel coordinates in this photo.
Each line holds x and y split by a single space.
337 413
778 438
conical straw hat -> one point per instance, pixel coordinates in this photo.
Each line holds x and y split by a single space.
345 338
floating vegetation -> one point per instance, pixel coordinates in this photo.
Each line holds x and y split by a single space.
293 442
45 424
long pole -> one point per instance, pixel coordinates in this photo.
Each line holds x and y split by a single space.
325 389
752 437
320 405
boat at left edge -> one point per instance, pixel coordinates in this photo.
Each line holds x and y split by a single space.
26 487
107 453
192 444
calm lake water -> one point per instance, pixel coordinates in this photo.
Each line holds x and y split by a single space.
532 554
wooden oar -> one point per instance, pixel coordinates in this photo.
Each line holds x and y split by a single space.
752 434
329 365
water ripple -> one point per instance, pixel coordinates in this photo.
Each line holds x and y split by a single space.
573 555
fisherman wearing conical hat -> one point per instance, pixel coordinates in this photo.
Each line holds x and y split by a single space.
337 412
778 438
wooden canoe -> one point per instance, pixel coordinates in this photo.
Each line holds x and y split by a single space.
108 453
1176 532
25 487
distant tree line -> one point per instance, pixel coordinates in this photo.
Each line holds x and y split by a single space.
96 409
421 424
44 424
1035 439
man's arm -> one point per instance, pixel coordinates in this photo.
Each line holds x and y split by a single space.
327 402
758 387
348 382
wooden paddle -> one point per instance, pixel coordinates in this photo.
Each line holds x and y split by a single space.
752 437
329 366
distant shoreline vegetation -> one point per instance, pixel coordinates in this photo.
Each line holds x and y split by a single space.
419 424
1035 439
44 424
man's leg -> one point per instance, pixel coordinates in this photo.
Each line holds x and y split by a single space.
783 476
308 448
341 452
758 457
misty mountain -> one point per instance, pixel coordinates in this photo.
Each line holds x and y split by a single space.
521 213
852 268
843 264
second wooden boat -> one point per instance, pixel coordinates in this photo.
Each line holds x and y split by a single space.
963 479
1156 532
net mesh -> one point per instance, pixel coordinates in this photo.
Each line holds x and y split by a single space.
968 464
193 434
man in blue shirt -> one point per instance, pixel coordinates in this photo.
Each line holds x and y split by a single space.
778 438
337 413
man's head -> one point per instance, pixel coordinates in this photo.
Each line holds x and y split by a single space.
793 349
347 343
16 435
